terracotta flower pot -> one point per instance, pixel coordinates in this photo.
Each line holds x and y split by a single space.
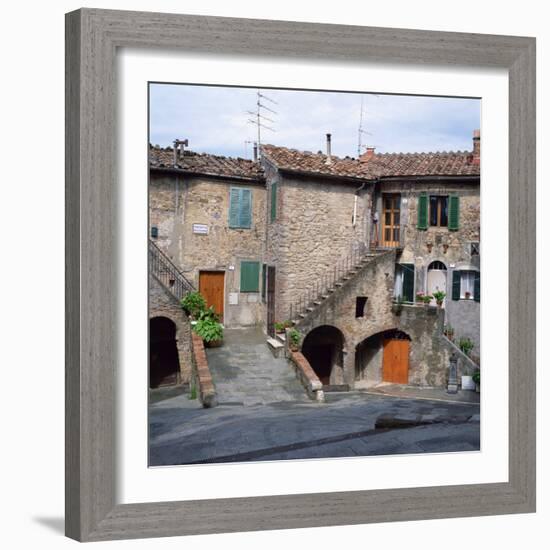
214 343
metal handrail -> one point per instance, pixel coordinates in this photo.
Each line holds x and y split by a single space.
327 281
162 267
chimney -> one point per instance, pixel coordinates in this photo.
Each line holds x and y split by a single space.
329 155
477 147
179 144
255 151
367 155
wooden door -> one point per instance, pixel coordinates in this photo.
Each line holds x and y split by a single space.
271 301
211 286
396 361
391 220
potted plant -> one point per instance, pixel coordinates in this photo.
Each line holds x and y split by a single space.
439 296
449 332
477 379
209 328
295 338
467 295
279 328
466 345
193 304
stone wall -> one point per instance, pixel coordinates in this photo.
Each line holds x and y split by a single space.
428 358
176 203
452 248
163 304
312 231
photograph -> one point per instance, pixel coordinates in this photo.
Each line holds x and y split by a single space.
314 274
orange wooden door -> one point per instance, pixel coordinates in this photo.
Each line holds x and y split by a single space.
211 286
396 361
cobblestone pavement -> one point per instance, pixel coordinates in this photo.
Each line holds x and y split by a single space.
246 373
181 432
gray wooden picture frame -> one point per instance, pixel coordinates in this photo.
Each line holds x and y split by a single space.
92 39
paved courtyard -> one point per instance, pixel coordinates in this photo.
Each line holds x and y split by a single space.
264 414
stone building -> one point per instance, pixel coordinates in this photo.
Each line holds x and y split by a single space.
330 243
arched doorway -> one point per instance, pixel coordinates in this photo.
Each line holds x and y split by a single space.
382 357
323 348
164 366
437 278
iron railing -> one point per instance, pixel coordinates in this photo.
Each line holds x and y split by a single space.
328 282
162 267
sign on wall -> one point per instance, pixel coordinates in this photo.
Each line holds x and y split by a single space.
200 229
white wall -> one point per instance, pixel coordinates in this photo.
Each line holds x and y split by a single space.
32 226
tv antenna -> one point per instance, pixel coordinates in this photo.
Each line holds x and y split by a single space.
259 115
361 130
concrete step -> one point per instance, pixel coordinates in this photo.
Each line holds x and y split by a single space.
275 347
281 337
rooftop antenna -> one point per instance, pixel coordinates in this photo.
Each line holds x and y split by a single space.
361 130
259 115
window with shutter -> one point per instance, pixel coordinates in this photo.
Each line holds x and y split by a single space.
422 211
477 281
250 276
240 208
264 282
454 214
408 282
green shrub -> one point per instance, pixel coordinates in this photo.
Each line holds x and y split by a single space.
439 295
193 303
476 377
466 345
295 338
208 327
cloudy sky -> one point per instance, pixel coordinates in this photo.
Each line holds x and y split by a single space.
215 120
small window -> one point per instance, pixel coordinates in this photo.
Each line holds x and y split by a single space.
360 303
438 211
273 201
474 249
154 232
466 285
250 276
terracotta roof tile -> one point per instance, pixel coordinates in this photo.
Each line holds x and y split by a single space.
204 164
459 163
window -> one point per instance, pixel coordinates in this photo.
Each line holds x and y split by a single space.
240 208
438 211
360 303
404 282
474 249
250 276
154 232
466 285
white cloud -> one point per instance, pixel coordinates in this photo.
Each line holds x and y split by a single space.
214 119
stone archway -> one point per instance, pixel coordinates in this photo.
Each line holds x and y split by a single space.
164 363
323 347
376 355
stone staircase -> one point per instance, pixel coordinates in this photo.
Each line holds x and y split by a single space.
332 281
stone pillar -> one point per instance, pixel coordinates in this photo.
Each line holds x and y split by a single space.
452 384
349 367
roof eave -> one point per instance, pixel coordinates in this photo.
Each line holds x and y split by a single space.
190 173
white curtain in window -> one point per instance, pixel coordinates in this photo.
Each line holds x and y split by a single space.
467 283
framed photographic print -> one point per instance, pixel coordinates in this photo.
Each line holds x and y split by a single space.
291 251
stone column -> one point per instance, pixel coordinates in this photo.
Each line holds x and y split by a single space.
452 385
349 367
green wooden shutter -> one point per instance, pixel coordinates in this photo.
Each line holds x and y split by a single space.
264 281
245 214
454 214
250 276
408 282
456 284
234 206
422 211
273 201
477 289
